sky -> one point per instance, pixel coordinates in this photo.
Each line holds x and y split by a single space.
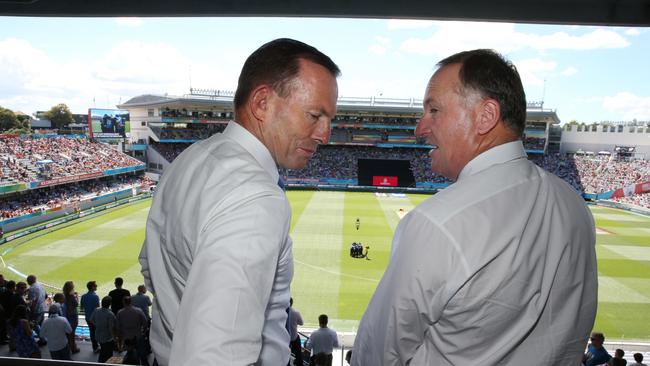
585 73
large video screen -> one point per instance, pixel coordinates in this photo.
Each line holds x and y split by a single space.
385 173
108 123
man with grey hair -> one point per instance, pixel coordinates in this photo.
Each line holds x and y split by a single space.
499 265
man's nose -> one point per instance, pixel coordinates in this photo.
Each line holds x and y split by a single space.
322 132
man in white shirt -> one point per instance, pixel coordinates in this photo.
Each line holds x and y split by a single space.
499 265
36 296
322 342
56 330
217 253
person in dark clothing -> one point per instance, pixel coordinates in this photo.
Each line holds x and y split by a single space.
18 297
117 295
5 296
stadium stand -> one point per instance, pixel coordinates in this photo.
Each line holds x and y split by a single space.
27 159
66 194
587 174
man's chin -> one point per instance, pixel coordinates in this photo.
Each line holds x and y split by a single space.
296 165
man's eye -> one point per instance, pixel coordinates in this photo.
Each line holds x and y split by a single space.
314 117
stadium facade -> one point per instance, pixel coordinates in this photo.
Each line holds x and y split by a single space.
360 124
626 138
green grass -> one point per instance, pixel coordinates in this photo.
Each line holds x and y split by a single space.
326 279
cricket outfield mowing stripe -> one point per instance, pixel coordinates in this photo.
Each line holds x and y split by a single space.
317 242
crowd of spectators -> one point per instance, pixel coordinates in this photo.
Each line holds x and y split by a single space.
642 200
169 151
123 327
340 162
534 143
594 173
357 120
586 173
191 132
184 113
20 157
65 195
24 159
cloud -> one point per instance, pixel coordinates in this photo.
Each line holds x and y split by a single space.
32 80
452 37
132 22
381 46
530 68
569 71
409 24
628 105
632 32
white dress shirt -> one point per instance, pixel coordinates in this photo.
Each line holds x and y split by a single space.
497 269
322 340
217 256
56 329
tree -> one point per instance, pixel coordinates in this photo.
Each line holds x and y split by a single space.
8 119
59 115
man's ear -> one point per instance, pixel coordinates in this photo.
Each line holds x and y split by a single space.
258 103
489 115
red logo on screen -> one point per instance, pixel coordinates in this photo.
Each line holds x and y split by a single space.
386 181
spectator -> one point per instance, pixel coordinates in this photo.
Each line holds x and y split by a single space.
36 296
117 295
71 312
131 322
596 353
58 298
90 302
141 301
638 358
57 331
21 333
18 298
104 322
618 357
294 319
6 293
322 341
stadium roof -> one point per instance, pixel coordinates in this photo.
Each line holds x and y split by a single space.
597 12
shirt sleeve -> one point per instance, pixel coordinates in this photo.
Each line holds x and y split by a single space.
223 308
410 296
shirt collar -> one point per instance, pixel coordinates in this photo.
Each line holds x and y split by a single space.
255 147
496 155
